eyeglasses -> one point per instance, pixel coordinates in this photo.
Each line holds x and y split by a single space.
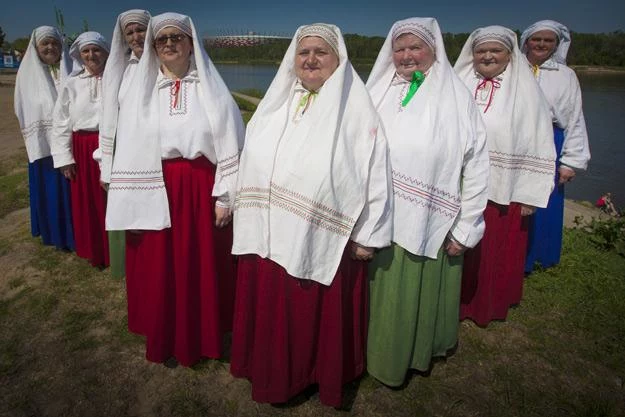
175 38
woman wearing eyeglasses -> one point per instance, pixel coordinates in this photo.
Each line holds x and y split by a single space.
172 182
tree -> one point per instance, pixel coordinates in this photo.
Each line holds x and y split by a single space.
20 44
2 35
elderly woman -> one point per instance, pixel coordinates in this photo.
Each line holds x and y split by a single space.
126 50
313 201
522 164
546 44
440 182
44 68
75 138
173 178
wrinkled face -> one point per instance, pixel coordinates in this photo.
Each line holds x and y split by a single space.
490 59
94 58
315 62
135 36
173 47
540 46
410 54
49 51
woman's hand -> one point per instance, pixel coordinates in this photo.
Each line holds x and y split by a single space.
360 253
527 210
223 215
566 174
68 171
453 248
104 185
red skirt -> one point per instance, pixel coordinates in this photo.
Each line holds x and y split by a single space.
493 271
180 280
290 333
88 201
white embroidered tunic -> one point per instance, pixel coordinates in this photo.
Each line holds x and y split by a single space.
438 152
445 190
77 108
183 125
561 88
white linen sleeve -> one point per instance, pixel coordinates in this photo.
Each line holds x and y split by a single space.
575 150
374 227
61 141
468 227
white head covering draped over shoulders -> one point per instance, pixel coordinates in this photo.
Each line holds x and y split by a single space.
305 186
437 142
561 87
111 82
561 31
36 93
519 131
84 39
137 197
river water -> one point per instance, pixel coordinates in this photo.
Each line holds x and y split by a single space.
604 109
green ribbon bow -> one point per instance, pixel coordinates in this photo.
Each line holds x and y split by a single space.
417 80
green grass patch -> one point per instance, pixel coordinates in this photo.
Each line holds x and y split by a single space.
13 192
244 105
252 92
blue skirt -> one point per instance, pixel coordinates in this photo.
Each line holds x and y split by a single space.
545 229
50 206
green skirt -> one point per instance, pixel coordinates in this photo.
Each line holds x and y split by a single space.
117 253
414 310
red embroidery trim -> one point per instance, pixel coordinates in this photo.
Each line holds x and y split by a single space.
483 84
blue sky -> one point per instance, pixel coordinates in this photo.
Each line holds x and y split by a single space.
19 17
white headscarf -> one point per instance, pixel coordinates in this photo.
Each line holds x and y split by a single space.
111 81
35 94
518 123
439 126
84 39
299 206
137 198
562 33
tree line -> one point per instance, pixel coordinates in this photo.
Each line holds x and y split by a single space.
604 49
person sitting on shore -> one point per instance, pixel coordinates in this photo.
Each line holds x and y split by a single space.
545 45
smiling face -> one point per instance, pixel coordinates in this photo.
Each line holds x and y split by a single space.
315 62
540 46
94 58
173 47
49 51
410 54
134 33
490 59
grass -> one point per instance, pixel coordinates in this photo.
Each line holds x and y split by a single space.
65 349
252 92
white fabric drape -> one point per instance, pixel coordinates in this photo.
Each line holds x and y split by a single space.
437 147
519 131
308 184
117 71
137 197
561 88
36 92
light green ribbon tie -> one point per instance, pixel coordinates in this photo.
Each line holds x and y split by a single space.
417 80
306 100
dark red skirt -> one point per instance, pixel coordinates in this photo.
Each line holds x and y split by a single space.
88 201
181 280
290 333
493 271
